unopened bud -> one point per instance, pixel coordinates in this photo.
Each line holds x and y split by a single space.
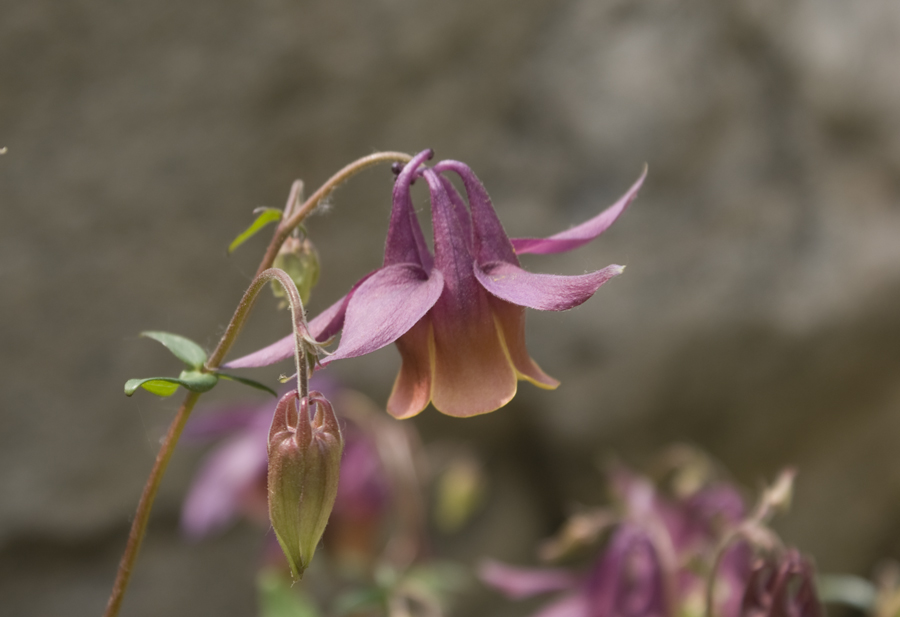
299 258
305 446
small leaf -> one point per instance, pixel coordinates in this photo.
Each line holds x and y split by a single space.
184 349
266 216
160 386
195 381
248 382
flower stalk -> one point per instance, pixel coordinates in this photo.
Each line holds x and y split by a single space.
286 226
148 496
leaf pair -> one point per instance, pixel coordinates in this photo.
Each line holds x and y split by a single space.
194 378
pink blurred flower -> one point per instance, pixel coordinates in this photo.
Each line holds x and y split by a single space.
648 566
783 587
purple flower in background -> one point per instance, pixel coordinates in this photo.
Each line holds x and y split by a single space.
649 565
457 316
782 588
626 581
231 481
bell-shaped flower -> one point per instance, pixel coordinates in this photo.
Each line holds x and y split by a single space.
457 316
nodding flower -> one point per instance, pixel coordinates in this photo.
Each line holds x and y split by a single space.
457 315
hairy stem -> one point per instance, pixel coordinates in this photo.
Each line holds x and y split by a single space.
287 225
295 217
142 516
302 338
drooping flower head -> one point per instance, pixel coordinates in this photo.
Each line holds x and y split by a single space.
457 316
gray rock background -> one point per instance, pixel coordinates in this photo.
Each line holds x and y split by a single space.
759 316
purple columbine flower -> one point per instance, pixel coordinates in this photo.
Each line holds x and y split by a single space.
649 565
458 315
626 581
782 588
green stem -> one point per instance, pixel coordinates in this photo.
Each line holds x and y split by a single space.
145 505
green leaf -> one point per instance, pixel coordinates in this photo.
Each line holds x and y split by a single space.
160 386
195 381
184 349
266 216
248 382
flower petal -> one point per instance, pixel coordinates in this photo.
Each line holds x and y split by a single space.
510 319
328 323
385 307
472 371
545 292
628 579
580 234
282 349
405 242
412 388
490 240
519 583
227 477
464 221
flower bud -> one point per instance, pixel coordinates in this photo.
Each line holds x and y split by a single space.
305 446
300 260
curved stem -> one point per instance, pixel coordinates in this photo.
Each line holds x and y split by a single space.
301 334
302 338
145 505
142 516
296 217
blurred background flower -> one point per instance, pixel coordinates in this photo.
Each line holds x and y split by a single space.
691 553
